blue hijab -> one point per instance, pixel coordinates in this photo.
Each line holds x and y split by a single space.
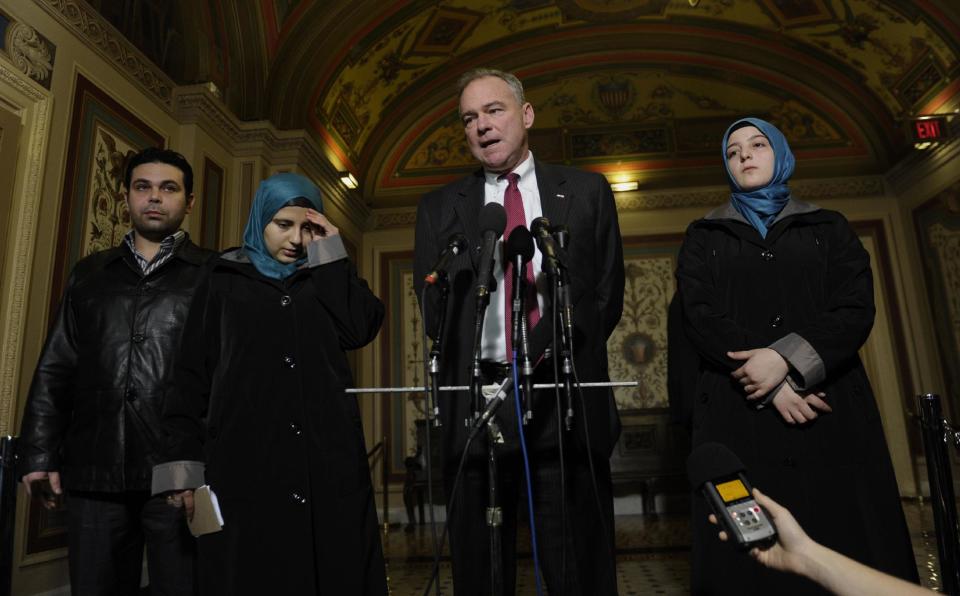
273 193
761 205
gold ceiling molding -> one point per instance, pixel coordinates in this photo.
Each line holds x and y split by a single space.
98 34
808 190
200 106
34 105
386 220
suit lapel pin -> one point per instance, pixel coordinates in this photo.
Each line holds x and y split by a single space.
560 196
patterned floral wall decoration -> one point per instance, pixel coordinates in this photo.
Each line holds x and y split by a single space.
93 212
938 229
637 350
107 218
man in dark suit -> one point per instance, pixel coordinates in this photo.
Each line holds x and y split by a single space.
574 526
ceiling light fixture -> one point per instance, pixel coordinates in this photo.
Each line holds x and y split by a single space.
625 186
348 180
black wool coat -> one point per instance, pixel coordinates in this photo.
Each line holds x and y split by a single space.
260 399
811 277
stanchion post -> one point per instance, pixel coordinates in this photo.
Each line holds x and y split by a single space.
384 475
942 495
8 509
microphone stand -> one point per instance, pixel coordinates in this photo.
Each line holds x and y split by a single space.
519 337
494 513
433 366
562 237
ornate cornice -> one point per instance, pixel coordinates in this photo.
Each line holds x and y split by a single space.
200 105
97 33
387 220
807 190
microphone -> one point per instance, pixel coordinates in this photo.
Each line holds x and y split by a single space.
492 220
545 242
455 245
519 244
721 477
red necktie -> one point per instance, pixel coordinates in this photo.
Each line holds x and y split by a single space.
513 204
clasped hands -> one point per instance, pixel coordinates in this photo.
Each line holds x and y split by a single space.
762 371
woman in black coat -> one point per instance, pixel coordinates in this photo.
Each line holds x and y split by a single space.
260 413
777 297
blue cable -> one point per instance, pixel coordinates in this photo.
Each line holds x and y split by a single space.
526 470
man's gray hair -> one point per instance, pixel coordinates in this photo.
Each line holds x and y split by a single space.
478 73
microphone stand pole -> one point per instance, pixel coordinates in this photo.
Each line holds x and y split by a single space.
566 326
519 337
433 366
494 513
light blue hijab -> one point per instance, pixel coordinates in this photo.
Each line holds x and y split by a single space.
273 193
761 205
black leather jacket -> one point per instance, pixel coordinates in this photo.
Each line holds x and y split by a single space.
94 407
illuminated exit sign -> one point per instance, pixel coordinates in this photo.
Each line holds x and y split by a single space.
929 130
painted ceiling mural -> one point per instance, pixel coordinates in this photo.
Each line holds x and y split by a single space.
637 86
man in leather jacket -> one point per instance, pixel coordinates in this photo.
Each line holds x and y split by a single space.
92 421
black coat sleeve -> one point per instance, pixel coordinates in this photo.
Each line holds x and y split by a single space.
50 401
187 399
842 326
426 250
353 308
609 258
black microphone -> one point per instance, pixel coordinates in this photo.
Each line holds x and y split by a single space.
720 475
455 245
519 244
493 219
548 248
493 404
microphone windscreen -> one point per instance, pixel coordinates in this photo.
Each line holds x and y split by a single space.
539 224
520 242
493 218
710 461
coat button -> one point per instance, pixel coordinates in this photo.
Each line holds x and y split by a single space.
285 300
138 337
298 498
130 395
767 255
776 321
289 361
789 462
295 429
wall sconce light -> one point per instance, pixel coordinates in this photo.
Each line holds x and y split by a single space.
625 186
348 180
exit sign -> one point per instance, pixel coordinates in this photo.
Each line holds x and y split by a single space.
930 129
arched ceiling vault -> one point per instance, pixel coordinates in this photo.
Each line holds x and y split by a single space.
631 88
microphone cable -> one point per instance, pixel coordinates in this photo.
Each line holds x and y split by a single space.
607 537
526 471
429 431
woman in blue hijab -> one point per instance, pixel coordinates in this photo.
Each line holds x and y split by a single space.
259 410
776 299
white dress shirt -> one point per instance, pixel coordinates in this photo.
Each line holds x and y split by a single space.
493 345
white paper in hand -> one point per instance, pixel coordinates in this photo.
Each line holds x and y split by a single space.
207 518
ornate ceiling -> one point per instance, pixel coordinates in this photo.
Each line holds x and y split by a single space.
637 89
